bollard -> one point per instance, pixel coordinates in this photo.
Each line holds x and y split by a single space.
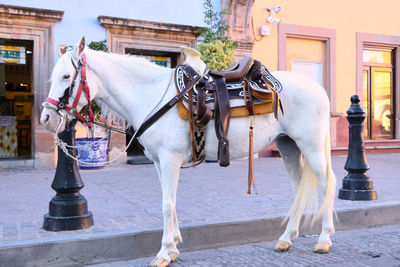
356 185
68 208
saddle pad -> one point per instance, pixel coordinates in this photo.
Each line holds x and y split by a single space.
238 106
236 112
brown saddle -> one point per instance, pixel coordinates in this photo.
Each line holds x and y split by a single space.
237 71
245 79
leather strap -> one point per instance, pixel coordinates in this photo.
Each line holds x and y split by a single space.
191 125
83 86
195 78
221 118
250 108
203 113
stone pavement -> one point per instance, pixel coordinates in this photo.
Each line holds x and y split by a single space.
127 198
352 248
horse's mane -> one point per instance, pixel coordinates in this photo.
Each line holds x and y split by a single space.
127 60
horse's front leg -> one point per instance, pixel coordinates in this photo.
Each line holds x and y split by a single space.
168 170
173 251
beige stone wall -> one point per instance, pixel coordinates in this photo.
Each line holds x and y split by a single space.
36 25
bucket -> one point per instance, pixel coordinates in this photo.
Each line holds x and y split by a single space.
94 151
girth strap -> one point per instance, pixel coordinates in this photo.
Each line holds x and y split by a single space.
222 115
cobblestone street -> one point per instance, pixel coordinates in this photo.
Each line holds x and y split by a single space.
365 247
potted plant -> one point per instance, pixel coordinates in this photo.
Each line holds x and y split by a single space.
216 49
92 149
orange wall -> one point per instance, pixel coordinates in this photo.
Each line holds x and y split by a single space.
346 17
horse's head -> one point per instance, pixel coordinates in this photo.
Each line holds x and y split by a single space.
69 90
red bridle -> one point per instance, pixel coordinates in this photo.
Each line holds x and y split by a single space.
83 86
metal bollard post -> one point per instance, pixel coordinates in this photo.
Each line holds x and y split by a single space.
356 185
68 208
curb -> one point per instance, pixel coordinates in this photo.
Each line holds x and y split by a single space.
77 250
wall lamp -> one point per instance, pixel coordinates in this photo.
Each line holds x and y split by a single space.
271 19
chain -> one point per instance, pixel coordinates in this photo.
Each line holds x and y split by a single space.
64 146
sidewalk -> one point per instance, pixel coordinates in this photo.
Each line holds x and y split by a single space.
126 202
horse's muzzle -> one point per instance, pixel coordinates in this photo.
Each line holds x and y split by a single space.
51 120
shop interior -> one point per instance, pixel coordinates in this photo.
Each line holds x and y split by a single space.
16 98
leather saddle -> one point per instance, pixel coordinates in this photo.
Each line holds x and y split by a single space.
237 71
214 93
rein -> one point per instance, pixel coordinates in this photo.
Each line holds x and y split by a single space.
151 118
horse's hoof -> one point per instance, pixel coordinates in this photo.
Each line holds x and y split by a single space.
322 247
282 246
173 256
158 262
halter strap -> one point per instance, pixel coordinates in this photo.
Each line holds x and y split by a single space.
83 86
55 103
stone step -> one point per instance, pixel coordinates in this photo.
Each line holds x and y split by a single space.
371 146
368 149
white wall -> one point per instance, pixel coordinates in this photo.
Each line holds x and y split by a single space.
80 16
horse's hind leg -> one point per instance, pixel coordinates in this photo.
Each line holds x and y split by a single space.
168 169
320 163
291 156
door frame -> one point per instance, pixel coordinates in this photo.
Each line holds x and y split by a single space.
312 33
377 40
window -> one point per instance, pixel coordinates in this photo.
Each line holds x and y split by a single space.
378 92
161 58
307 57
310 69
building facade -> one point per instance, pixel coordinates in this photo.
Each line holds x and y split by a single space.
41 31
349 47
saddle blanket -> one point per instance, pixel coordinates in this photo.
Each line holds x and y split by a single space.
236 100
236 112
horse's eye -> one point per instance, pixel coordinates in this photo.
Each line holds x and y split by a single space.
66 76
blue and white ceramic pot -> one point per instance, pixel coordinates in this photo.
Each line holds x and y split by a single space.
94 151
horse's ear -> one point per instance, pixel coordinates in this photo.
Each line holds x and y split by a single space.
80 46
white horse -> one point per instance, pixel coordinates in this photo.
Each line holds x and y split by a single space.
132 87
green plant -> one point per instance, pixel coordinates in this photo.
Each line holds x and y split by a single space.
217 54
216 49
99 46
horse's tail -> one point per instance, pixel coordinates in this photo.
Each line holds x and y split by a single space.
307 191
330 177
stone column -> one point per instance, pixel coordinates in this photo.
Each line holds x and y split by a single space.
239 18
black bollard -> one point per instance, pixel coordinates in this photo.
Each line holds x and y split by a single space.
356 185
68 208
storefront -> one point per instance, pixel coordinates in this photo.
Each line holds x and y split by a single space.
16 98
26 37
348 55
30 43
